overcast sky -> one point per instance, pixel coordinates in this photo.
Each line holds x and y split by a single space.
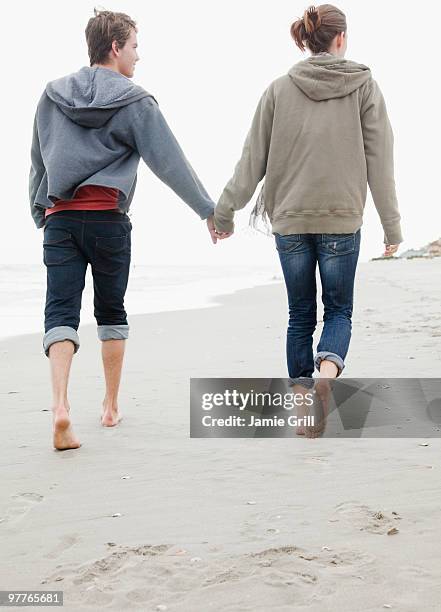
207 64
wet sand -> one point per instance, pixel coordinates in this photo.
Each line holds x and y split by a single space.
143 517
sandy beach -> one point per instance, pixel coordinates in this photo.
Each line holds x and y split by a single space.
142 517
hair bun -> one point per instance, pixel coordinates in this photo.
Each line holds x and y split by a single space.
311 19
318 27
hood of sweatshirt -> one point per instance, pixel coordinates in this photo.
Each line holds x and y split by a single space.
326 76
91 96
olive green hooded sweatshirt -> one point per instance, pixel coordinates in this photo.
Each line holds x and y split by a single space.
319 135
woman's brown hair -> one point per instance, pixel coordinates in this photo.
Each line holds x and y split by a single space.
103 29
318 27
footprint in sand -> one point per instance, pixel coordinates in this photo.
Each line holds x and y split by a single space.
265 525
95 597
364 518
99 582
323 558
106 566
22 503
148 576
347 558
140 595
66 542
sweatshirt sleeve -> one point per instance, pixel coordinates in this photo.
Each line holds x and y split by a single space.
161 152
251 167
36 175
378 146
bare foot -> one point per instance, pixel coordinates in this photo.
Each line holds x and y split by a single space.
302 409
320 408
301 414
63 435
110 416
323 389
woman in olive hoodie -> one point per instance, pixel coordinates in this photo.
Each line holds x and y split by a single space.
319 135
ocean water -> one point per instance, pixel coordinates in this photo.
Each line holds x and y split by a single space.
150 289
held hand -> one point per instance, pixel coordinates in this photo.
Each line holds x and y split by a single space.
211 228
390 250
215 235
222 235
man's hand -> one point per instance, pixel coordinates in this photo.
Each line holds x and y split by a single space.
215 235
390 249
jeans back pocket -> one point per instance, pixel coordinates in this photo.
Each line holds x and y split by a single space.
288 243
112 253
59 246
339 244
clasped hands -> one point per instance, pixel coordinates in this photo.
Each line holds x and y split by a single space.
215 235
390 249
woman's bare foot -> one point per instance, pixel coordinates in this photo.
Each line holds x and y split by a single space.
302 409
320 408
110 416
63 435
323 389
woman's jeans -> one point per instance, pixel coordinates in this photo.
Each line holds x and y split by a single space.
72 240
337 256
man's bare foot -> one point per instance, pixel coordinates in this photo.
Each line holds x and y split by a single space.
110 416
63 435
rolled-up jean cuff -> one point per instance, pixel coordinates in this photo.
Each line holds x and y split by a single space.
330 357
58 334
304 381
113 332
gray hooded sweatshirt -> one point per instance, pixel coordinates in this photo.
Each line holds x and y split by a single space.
91 127
319 135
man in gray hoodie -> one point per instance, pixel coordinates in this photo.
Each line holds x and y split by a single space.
90 130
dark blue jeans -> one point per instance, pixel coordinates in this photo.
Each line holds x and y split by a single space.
72 240
337 256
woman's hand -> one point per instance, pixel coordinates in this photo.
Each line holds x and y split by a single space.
215 235
390 250
222 235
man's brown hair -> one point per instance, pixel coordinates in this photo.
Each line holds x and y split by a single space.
103 29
